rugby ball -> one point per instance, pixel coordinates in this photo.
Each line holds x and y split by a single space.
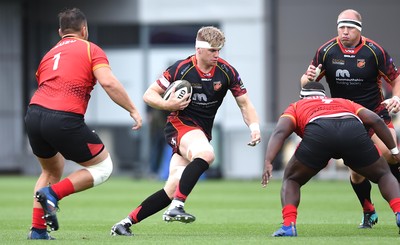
182 87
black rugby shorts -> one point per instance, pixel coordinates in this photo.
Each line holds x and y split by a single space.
336 138
51 131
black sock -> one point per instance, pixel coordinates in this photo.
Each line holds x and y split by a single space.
394 168
151 205
190 176
363 191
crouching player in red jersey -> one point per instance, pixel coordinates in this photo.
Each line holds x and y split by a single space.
329 128
189 125
55 119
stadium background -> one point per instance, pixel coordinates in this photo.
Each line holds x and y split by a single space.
270 42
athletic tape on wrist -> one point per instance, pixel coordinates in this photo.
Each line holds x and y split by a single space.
394 151
254 127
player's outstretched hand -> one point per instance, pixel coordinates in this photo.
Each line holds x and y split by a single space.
313 72
138 120
255 138
392 104
267 174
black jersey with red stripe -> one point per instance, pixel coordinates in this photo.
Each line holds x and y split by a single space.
209 89
356 73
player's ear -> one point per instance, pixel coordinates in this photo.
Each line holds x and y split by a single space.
60 32
85 32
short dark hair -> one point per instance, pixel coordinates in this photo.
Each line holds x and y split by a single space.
312 89
71 20
314 85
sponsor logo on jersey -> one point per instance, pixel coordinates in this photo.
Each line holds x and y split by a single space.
183 71
371 45
329 46
199 97
342 73
349 51
343 78
173 141
360 63
217 85
338 62
197 85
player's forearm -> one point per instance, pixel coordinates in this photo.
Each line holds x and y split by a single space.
119 95
154 100
303 80
383 132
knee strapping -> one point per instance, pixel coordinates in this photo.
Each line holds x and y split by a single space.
101 171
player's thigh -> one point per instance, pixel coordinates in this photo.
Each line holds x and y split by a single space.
375 170
298 171
194 144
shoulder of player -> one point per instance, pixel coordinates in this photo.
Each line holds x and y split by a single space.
374 46
180 67
328 44
226 67
181 64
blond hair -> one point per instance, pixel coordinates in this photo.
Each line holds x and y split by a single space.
214 36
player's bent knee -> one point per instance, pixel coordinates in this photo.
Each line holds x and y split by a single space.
101 171
201 150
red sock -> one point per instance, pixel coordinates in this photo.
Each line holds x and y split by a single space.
37 219
289 214
178 194
368 206
63 188
395 204
134 213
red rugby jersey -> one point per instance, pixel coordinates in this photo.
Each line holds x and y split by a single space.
65 75
310 108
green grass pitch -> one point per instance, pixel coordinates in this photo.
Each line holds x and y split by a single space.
227 212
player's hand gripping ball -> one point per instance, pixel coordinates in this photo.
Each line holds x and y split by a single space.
182 87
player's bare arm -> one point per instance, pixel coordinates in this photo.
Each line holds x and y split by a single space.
311 74
393 104
250 117
153 97
284 128
117 93
371 119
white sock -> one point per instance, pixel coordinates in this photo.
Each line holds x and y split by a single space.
176 203
127 220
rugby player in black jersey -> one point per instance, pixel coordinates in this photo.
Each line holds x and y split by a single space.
189 125
354 66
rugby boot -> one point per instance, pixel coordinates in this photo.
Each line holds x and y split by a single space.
289 230
39 234
49 204
122 228
369 219
178 214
